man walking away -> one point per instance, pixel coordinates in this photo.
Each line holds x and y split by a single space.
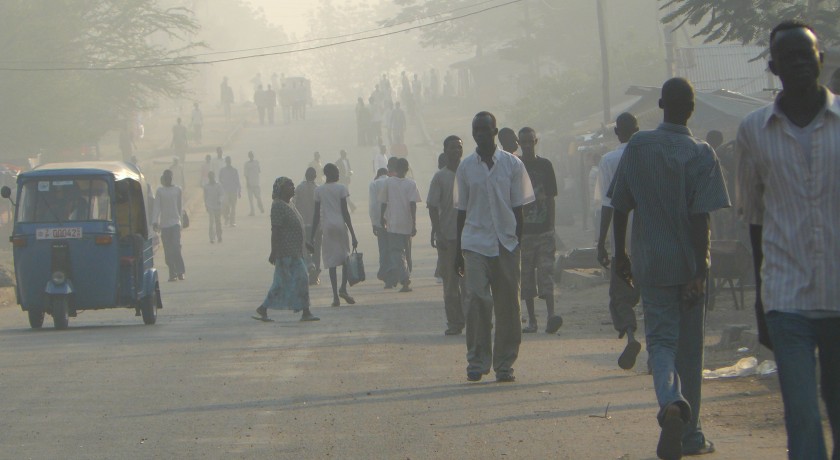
179 140
623 297
304 202
214 196
491 187
166 219
444 219
399 197
252 182
229 178
671 181
374 210
789 165
538 243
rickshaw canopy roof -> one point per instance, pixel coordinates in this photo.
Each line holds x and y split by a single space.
118 169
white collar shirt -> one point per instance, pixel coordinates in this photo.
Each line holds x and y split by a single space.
398 193
795 196
488 195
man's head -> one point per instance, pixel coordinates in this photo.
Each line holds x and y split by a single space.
528 141
178 121
250 154
218 152
316 156
795 56
714 138
677 100
195 105
166 178
392 164
834 83
331 172
452 160
508 140
175 161
382 150
207 158
453 145
343 154
381 172
310 174
626 125
402 167
484 131
227 160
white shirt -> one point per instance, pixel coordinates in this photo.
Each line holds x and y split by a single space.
167 210
398 193
795 196
380 161
606 171
489 196
252 173
374 207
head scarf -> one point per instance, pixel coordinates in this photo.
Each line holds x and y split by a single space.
278 184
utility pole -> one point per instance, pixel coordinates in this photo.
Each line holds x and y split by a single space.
605 64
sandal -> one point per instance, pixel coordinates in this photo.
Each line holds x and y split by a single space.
262 315
347 298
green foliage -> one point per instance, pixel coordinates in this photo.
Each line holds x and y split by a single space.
750 22
51 103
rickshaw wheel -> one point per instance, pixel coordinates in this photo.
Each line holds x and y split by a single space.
60 309
36 318
150 308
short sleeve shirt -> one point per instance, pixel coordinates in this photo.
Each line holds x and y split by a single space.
488 196
544 183
398 193
664 177
440 197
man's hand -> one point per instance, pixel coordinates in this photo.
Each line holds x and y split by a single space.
355 242
271 259
434 242
623 269
156 228
459 263
693 291
310 247
603 256
375 231
414 231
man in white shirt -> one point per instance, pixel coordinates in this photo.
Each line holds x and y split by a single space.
399 197
252 182
623 297
788 170
491 187
166 218
380 159
375 212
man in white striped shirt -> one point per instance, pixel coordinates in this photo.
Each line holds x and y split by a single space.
789 177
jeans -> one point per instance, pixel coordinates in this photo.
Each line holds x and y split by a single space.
384 256
215 219
674 337
171 239
795 340
399 270
254 194
453 284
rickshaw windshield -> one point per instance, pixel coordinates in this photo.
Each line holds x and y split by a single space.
62 200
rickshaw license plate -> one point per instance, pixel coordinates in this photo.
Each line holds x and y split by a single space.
63 233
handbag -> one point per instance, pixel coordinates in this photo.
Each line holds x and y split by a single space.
185 219
355 268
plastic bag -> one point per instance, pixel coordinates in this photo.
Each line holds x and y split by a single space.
355 268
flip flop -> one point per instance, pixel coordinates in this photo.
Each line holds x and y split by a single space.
628 357
264 319
347 298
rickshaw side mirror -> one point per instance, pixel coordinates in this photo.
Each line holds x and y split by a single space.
5 192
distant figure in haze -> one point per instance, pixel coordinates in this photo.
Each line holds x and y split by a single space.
218 162
834 83
538 239
317 166
290 288
206 167
214 195
332 214
226 97
362 122
444 219
509 142
251 171
380 159
305 204
229 178
127 146
166 219
375 213
259 101
177 173
345 174
270 103
197 122
398 216
492 186
397 128
179 140
623 297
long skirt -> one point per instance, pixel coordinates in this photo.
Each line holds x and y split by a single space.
290 288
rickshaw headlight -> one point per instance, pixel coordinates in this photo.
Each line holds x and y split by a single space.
59 277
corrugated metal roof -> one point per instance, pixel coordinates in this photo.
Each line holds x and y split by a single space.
732 67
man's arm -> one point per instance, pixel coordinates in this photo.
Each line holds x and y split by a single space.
758 259
520 219
413 206
622 263
606 218
459 256
699 225
435 218
382 215
316 219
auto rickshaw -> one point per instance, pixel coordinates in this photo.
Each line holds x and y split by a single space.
82 240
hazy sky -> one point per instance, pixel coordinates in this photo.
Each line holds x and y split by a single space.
291 14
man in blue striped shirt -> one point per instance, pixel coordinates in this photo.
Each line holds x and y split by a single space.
671 181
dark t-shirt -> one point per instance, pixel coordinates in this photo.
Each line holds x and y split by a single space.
537 216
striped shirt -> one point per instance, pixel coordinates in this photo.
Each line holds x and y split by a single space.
664 177
795 196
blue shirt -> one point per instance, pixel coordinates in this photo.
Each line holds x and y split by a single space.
665 176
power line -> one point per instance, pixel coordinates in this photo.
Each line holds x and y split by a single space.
276 53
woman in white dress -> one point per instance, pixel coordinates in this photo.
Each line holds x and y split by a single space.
332 213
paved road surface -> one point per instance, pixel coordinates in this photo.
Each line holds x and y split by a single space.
374 380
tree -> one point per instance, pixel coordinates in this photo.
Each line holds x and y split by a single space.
751 21
72 69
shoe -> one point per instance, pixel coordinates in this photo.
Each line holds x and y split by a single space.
389 286
405 288
452 331
347 298
670 438
628 357
309 317
473 376
182 277
438 280
553 324
211 241
505 378
524 318
173 278
707 448
530 328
